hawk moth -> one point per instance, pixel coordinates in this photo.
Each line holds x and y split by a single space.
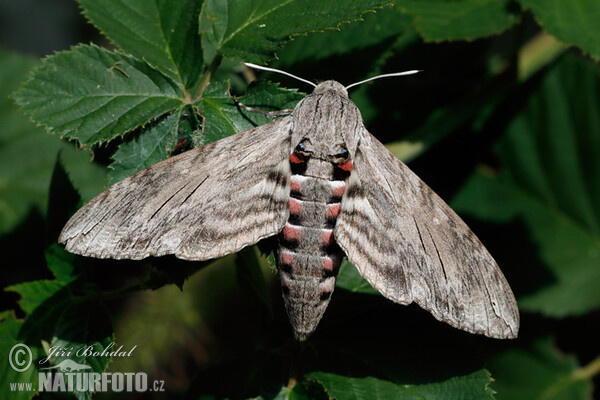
321 183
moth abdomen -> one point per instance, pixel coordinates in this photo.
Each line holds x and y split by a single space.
308 256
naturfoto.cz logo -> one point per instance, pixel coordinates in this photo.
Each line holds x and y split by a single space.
70 376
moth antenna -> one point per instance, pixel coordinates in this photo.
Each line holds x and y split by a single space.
280 72
411 72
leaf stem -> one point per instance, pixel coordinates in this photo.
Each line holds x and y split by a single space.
588 371
212 68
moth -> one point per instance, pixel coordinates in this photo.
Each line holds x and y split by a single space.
326 188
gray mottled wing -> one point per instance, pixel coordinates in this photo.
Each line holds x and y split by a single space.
408 244
205 203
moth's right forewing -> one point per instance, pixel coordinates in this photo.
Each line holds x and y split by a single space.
408 244
205 203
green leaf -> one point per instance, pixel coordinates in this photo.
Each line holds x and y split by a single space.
550 187
249 269
386 23
40 324
538 372
223 118
164 33
61 263
34 293
27 154
9 337
254 30
86 328
471 386
439 20
153 144
95 95
350 279
574 22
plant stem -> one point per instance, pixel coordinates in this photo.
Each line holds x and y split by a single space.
588 371
212 68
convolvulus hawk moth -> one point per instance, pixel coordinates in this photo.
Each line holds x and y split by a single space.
327 188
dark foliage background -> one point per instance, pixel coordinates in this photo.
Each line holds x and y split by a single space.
503 123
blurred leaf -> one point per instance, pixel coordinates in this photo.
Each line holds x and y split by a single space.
95 95
164 33
574 22
61 263
222 116
40 324
34 293
250 274
153 144
87 329
539 372
254 30
9 336
349 279
385 23
439 20
472 386
27 154
550 182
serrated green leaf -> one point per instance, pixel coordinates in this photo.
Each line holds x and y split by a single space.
471 386
550 185
86 330
40 324
574 22
349 279
9 337
254 30
223 118
153 144
439 20
27 154
94 95
164 33
386 23
61 263
538 372
34 293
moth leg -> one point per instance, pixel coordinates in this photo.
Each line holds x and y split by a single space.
268 114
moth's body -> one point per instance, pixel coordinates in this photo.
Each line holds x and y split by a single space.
327 188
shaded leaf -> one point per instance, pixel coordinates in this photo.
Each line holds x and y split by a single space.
538 372
94 95
385 23
250 275
439 20
86 328
223 117
164 33
34 293
349 279
153 144
574 22
471 386
61 263
27 154
9 337
550 184
254 30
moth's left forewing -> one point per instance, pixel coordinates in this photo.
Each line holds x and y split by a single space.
408 244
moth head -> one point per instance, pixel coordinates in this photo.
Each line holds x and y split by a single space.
325 122
331 86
